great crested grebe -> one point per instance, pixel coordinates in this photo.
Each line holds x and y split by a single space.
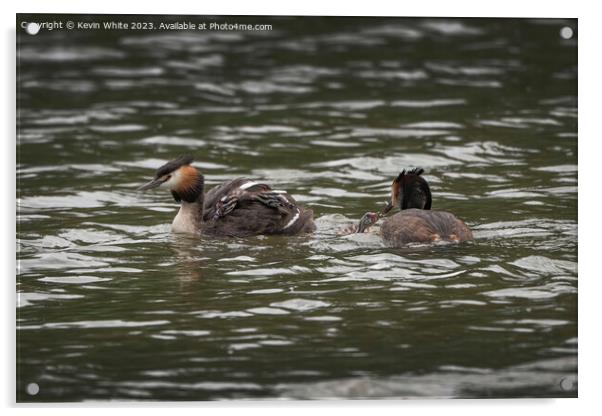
416 223
238 208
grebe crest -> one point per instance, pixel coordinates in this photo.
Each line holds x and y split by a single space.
409 190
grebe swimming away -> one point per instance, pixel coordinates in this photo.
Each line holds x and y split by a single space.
238 208
416 223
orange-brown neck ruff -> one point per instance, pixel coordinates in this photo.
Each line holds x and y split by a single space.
395 189
190 184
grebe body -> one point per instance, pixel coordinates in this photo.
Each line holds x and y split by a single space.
420 226
415 223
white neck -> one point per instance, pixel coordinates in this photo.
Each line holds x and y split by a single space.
188 220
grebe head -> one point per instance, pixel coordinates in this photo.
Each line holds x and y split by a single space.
367 220
409 190
183 180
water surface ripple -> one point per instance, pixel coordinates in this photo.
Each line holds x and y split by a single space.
113 306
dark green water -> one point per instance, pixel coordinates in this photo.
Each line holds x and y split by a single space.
112 306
